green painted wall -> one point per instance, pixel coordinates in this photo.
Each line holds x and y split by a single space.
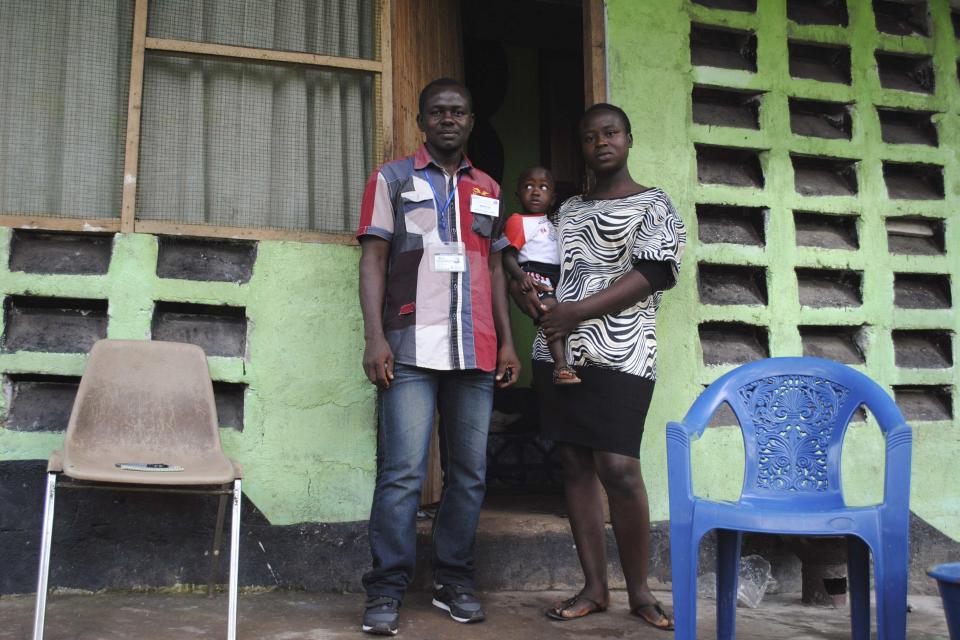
309 439
308 444
651 76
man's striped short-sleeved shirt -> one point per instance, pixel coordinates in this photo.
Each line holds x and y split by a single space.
435 319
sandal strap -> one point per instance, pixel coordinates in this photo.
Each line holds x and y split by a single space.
570 602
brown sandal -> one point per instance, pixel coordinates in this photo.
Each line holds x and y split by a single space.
565 375
568 609
662 621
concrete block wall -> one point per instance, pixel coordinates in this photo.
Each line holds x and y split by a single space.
812 151
279 323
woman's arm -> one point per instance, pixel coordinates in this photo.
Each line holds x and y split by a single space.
626 291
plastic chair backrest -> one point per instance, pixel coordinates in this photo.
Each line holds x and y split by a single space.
142 395
793 414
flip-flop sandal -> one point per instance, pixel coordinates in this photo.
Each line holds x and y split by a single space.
567 610
656 623
565 375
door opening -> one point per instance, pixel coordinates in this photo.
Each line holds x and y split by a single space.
524 63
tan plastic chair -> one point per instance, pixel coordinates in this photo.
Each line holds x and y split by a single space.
145 416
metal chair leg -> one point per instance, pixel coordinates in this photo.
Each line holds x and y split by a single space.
217 540
46 540
234 561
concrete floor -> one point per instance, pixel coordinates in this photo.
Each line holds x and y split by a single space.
323 616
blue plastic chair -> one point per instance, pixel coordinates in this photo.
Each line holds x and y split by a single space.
793 413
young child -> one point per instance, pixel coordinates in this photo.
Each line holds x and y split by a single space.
533 257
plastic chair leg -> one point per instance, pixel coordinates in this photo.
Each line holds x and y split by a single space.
858 587
217 540
234 561
684 554
890 580
46 540
728 578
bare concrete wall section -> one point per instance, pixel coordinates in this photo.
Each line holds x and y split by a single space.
750 6
733 342
819 288
906 72
38 402
915 236
924 402
717 223
921 291
729 165
726 107
220 331
902 17
843 344
913 181
729 284
901 126
726 48
826 63
61 325
829 12
819 176
825 230
723 416
923 349
821 119
53 252
205 259
229 398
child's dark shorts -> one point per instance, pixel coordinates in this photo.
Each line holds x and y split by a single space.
546 272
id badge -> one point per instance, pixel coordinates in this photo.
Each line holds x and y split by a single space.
447 257
484 205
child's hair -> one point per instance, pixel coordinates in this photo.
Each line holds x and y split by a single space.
551 214
526 172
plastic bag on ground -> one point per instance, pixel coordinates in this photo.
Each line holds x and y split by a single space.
755 579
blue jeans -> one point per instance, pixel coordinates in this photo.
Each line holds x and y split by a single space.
465 401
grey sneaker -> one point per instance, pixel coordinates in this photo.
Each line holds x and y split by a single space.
381 616
459 602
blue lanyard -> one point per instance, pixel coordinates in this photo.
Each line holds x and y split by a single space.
441 209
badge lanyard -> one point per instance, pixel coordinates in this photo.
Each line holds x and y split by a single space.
441 209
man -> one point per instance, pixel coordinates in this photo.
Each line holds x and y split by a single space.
437 330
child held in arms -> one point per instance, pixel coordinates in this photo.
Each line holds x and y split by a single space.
533 257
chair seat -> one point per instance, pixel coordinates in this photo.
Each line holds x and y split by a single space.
202 468
782 519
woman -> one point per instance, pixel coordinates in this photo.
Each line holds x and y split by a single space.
621 246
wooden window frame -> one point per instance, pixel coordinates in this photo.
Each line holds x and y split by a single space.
142 43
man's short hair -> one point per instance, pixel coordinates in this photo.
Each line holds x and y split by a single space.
443 83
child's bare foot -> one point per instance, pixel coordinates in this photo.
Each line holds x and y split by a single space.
564 374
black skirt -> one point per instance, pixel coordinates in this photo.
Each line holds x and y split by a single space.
605 412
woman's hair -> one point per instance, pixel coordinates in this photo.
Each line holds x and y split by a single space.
606 106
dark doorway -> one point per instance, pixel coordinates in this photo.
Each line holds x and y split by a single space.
524 64
523 61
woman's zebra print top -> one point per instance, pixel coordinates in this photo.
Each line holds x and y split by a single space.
599 241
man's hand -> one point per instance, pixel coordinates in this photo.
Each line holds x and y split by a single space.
559 321
378 362
508 366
